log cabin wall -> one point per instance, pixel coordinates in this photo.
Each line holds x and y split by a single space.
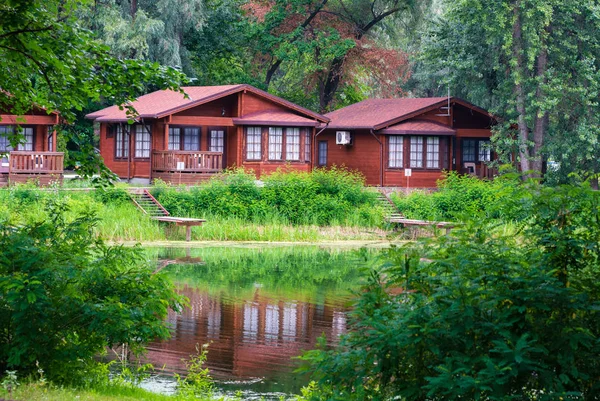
363 155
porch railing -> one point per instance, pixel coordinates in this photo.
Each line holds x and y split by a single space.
35 162
187 161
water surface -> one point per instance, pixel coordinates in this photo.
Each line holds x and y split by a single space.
257 308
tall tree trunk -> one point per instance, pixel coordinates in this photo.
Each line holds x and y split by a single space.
272 70
134 8
517 51
332 82
541 119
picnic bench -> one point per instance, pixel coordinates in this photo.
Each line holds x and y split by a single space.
182 221
412 222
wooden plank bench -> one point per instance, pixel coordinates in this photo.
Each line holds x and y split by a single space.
182 221
412 222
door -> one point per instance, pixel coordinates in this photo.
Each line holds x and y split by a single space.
216 143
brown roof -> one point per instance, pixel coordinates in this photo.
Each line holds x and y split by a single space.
418 127
166 102
383 113
275 117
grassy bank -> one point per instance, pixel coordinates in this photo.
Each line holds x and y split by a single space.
37 392
298 207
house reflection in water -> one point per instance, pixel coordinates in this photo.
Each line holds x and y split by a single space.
248 338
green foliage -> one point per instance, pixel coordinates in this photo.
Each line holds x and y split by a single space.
197 381
66 296
481 317
462 197
322 197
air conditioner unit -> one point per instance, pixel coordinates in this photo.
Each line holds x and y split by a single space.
343 138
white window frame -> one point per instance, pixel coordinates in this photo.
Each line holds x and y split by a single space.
253 143
275 143
292 144
432 156
174 138
142 142
416 152
216 138
396 151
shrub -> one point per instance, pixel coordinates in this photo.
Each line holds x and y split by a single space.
66 296
481 316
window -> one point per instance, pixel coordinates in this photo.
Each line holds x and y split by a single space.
469 150
292 143
275 143
191 139
433 152
142 141
174 138
476 150
416 151
5 132
253 143
307 144
50 138
485 152
216 141
396 151
322 153
122 142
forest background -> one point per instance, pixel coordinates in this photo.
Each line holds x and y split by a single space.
533 63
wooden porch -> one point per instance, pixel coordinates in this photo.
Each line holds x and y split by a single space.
480 170
185 167
22 166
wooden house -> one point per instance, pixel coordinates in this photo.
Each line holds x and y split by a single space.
35 158
407 142
187 139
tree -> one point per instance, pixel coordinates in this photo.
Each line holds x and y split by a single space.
49 60
532 62
330 44
65 296
480 315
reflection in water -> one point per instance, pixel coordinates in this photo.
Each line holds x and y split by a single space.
253 322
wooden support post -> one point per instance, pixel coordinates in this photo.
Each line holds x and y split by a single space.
188 233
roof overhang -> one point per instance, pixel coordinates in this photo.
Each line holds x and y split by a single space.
419 127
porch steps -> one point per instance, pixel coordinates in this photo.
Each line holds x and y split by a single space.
147 203
390 210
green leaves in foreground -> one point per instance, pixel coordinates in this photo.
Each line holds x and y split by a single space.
481 316
65 296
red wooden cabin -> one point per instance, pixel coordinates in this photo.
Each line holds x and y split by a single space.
389 139
36 157
188 139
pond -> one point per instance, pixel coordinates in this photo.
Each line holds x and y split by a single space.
258 308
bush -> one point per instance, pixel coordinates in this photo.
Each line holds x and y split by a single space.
66 296
322 197
481 316
461 197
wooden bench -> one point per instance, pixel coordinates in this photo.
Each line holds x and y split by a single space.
411 222
182 221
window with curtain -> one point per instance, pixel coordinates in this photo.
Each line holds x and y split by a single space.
191 138
292 143
216 141
253 143
416 151
485 152
174 138
396 151
433 152
5 132
275 143
307 144
142 141
121 142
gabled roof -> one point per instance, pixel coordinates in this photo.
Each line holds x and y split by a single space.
162 103
382 113
275 117
422 127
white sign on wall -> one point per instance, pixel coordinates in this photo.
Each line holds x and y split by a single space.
407 172
180 165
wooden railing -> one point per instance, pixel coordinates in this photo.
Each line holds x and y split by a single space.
486 172
36 162
187 161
